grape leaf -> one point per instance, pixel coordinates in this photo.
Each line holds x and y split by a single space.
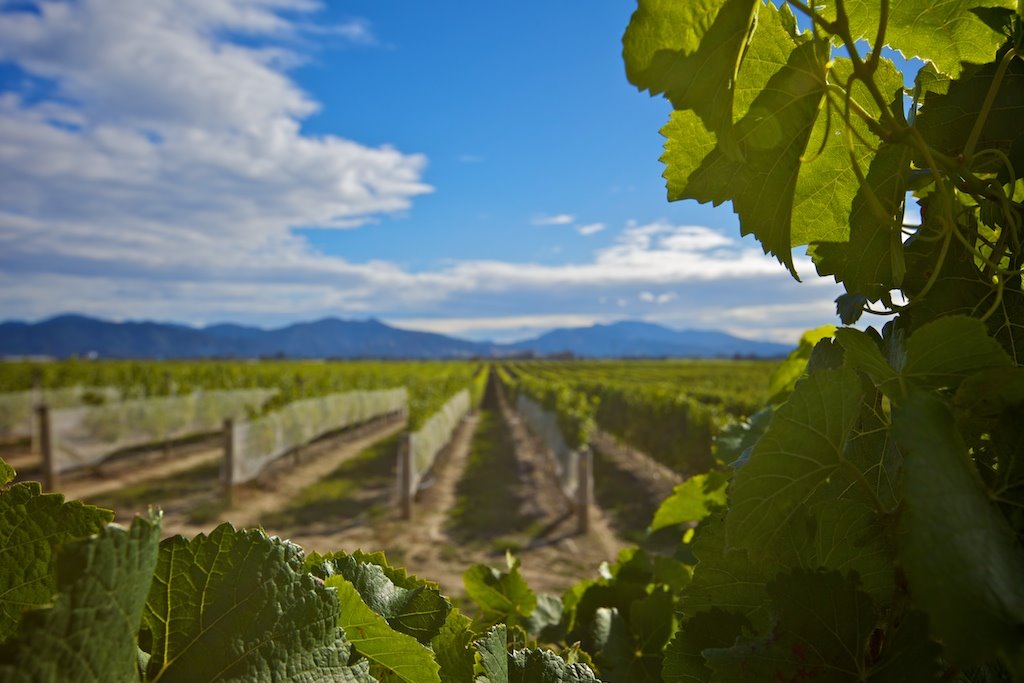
944 352
862 353
778 92
716 628
391 654
691 501
946 33
690 52
946 119
821 628
828 187
799 453
90 632
33 526
503 596
418 609
525 666
7 473
239 605
963 562
790 370
452 649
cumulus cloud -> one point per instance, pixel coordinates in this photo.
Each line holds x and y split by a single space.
142 135
556 219
590 229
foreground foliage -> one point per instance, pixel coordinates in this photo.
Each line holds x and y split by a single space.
871 527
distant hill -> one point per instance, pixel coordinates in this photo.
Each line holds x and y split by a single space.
76 335
641 339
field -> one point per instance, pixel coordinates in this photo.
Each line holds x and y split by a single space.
492 488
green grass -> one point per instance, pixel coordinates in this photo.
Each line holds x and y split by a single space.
356 492
488 504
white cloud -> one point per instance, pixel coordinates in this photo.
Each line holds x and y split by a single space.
556 219
161 144
590 229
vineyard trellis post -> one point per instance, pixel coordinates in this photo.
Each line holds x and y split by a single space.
228 473
42 412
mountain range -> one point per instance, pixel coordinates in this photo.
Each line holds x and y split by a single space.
77 335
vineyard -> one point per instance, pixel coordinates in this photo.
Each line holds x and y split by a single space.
852 513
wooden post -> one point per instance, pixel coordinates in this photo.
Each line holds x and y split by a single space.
405 477
46 448
584 488
229 461
37 400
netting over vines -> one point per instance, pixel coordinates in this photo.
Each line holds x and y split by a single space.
87 435
436 432
544 425
258 442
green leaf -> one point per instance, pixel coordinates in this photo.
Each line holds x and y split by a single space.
799 454
947 119
862 353
944 352
239 605
690 52
822 625
790 370
546 621
32 529
691 501
90 632
525 666
725 577
503 596
828 188
7 473
391 653
963 561
418 610
452 649
945 33
716 628
778 92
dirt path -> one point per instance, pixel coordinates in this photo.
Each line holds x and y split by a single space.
491 490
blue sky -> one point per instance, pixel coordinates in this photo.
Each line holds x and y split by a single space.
479 169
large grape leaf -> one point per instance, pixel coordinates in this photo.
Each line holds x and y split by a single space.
828 188
944 32
820 631
785 376
33 526
944 352
725 578
946 119
237 605
800 454
963 561
778 93
392 654
716 628
415 608
690 52
90 633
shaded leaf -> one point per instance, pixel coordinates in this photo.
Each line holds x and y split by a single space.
963 562
90 633
691 501
33 526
